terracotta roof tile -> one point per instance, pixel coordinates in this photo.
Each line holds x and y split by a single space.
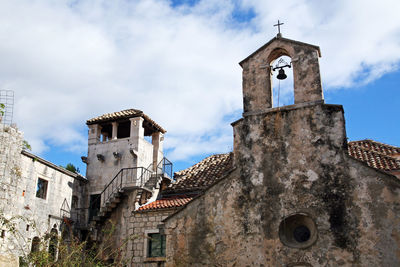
203 174
166 203
376 155
124 114
192 180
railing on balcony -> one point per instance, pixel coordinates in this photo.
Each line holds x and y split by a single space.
164 167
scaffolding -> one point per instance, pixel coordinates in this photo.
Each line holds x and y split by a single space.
7 98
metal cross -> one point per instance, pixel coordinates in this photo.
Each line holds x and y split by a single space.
279 26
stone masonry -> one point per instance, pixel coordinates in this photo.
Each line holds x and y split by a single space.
19 175
294 196
142 223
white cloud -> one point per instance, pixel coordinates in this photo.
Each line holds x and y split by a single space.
68 61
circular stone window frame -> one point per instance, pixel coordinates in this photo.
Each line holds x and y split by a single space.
293 221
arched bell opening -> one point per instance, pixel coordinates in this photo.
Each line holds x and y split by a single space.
282 81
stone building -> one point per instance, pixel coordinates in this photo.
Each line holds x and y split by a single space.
148 247
125 169
33 189
294 196
293 192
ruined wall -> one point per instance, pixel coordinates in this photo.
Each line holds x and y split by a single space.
11 186
291 161
45 212
114 231
19 176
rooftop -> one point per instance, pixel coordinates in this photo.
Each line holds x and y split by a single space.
167 203
192 181
125 115
200 176
375 154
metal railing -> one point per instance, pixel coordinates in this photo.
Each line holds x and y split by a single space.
126 177
165 167
65 210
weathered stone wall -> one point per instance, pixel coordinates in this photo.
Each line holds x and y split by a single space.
12 186
45 212
291 160
119 222
19 175
100 173
140 224
257 71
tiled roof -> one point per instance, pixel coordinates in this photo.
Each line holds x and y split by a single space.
166 203
124 114
203 174
376 155
192 181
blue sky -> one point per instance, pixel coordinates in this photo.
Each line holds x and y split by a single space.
68 61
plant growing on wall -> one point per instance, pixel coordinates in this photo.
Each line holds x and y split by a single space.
2 108
50 249
26 145
71 167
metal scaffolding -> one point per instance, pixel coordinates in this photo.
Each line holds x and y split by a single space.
7 98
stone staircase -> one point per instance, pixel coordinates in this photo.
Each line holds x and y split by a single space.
152 184
127 180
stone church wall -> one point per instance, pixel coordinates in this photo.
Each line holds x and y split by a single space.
291 163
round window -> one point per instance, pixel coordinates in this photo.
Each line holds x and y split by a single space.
298 231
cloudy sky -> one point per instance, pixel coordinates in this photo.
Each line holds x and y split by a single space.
68 61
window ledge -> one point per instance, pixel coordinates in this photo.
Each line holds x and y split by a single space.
152 259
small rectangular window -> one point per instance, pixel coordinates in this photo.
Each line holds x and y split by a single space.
41 188
156 245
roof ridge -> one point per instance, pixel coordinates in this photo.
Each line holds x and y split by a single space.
165 203
376 142
199 163
376 152
124 114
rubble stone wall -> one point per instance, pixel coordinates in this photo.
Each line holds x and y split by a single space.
142 223
291 162
19 174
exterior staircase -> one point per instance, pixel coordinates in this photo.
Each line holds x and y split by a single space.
127 180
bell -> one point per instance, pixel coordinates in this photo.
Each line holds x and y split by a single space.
281 75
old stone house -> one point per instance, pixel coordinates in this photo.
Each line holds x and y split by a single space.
35 192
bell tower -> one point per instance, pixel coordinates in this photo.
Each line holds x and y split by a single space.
285 155
257 72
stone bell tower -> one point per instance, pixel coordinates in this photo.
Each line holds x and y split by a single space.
295 169
257 72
